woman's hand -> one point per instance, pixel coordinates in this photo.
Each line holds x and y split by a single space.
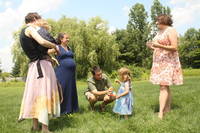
170 48
149 44
156 45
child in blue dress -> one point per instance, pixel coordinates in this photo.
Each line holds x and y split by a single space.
124 99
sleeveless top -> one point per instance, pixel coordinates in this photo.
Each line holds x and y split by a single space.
31 47
33 50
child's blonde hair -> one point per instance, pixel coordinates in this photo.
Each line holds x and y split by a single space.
43 23
125 71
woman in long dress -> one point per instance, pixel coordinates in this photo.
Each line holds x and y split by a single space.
41 97
166 69
66 75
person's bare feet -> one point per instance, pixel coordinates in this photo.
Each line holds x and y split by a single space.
126 117
166 110
46 131
160 115
35 129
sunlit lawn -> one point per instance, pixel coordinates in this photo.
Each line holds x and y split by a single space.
184 117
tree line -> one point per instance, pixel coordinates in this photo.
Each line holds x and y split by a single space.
94 45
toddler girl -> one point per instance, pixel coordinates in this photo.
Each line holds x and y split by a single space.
124 98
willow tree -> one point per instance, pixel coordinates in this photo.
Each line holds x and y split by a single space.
90 41
0 68
19 58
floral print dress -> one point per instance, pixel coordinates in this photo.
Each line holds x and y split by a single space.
166 67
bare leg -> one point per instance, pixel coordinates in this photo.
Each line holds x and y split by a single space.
92 105
92 101
163 100
169 99
35 125
45 129
126 117
107 99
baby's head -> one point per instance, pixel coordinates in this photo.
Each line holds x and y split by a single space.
43 23
124 74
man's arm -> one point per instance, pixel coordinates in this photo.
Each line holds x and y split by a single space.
94 90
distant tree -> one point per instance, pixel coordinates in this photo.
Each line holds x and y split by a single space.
90 41
157 9
0 68
190 48
138 30
122 40
19 58
16 69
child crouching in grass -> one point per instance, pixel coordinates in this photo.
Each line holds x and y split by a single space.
124 99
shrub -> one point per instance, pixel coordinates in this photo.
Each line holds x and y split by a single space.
137 73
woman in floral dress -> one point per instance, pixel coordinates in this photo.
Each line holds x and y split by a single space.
166 69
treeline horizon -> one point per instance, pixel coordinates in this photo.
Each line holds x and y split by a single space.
92 44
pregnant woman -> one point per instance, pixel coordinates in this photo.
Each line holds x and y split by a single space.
65 73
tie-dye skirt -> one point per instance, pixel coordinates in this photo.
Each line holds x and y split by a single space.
41 96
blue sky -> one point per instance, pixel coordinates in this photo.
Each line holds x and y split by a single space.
186 14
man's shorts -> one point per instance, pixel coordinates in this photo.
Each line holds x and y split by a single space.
90 95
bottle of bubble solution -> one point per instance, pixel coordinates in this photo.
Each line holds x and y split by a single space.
113 93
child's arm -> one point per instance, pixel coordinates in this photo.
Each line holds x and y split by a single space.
125 92
117 81
51 51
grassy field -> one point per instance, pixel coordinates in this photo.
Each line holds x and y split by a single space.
184 117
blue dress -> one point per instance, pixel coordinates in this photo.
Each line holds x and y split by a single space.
66 76
124 104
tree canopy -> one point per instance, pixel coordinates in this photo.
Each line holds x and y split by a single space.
94 45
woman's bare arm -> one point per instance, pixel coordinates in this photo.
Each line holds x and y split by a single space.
32 32
173 38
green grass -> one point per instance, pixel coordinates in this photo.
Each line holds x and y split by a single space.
191 72
184 117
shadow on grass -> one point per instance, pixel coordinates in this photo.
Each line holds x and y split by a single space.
65 121
82 109
61 122
108 112
156 107
97 108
